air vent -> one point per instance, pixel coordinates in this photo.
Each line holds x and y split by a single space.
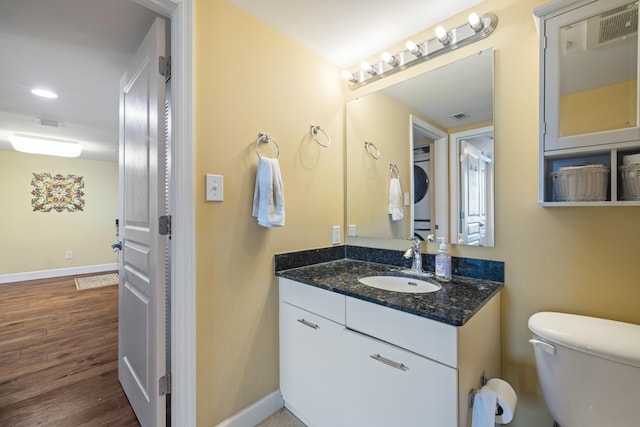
612 26
49 122
459 116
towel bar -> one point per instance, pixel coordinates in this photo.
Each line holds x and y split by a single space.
314 133
264 137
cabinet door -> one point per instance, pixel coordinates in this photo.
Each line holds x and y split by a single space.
590 75
388 386
311 366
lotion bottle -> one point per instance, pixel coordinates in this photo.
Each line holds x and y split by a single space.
443 262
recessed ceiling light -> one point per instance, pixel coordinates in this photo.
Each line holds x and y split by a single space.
39 145
44 93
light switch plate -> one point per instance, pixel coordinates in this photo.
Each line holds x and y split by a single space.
214 188
352 230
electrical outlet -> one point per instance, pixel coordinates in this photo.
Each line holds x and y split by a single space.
215 187
352 230
68 255
335 234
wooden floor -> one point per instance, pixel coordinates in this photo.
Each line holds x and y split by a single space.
59 356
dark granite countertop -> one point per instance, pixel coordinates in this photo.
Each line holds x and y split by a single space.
454 304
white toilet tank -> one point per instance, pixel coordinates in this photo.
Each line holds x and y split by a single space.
589 369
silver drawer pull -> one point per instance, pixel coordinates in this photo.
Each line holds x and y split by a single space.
307 323
389 362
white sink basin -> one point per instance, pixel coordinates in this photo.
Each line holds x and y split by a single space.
400 284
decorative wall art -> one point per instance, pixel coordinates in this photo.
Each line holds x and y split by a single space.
57 193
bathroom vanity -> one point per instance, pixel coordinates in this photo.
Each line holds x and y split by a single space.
354 355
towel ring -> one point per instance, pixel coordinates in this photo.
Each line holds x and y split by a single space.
266 138
393 168
314 133
368 145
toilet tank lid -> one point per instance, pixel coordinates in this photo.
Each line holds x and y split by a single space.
609 339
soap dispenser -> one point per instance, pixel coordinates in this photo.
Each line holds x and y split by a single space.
443 262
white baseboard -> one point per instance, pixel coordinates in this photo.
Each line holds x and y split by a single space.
47 274
256 413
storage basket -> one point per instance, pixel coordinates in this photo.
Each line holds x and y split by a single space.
581 183
630 182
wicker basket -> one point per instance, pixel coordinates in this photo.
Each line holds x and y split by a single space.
581 183
630 182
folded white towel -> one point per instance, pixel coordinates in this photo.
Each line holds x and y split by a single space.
395 200
268 196
484 408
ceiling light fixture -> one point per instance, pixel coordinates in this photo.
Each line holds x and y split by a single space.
44 93
41 145
477 28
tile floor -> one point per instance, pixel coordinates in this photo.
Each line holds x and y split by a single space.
282 418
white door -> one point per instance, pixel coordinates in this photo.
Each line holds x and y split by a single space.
141 358
472 192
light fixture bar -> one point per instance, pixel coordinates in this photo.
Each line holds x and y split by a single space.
48 146
478 28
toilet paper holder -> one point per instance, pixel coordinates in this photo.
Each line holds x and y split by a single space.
472 395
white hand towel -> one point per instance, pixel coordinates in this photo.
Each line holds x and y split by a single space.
268 196
484 408
395 200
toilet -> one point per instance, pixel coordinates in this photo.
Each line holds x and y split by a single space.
588 368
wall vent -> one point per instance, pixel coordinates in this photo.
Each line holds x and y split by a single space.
612 26
49 122
459 116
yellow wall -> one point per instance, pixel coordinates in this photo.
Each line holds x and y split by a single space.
251 79
34 241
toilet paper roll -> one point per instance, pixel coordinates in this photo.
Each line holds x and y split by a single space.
507 399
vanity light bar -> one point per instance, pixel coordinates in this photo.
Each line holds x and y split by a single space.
478 28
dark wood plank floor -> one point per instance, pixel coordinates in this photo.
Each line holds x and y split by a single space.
59 356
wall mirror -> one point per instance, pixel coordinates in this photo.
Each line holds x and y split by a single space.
403 132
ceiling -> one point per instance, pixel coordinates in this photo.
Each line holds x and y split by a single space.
79 48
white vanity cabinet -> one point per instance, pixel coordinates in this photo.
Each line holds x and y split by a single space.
589 97
376 366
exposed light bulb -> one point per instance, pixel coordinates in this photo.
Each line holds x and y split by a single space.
413 48
475 22
442 35
367 68
389 59
349 76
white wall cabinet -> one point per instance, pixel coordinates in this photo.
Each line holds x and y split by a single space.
589 94
369 365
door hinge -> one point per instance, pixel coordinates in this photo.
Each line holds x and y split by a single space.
164 225
164 66
164 385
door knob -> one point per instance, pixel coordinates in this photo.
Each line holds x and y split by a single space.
117 247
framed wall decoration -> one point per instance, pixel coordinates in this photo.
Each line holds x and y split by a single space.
58 193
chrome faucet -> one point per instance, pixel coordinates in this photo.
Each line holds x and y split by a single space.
415 252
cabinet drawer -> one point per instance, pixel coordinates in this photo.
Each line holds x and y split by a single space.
388 386
319 301
432 339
